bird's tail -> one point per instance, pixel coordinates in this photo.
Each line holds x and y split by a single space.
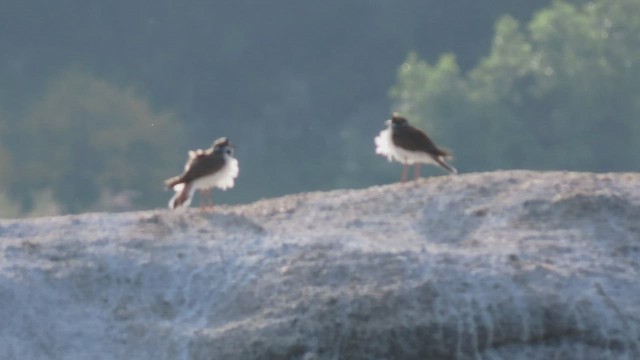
440 160
182 197
170 183
445 153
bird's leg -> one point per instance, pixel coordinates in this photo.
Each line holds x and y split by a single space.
405 171
417 171
202 199
210 192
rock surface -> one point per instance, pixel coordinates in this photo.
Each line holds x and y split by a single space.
504 265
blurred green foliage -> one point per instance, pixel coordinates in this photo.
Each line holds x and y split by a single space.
560 93
85 138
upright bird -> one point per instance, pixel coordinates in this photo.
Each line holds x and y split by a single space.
409 145
204 170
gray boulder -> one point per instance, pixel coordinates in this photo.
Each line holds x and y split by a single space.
504 265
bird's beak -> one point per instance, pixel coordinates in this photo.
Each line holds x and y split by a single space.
388 122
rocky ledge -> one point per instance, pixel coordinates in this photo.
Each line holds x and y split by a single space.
503 265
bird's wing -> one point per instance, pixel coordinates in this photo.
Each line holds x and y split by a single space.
410 138
202 164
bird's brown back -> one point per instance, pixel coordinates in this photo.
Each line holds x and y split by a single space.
413 139
202 164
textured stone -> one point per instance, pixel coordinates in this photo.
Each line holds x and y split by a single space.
504 265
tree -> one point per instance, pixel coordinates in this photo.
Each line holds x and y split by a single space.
86 137
560 94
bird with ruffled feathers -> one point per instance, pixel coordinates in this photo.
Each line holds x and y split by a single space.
204 170
409 145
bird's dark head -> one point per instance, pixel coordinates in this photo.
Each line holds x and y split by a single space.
223 146
397 120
